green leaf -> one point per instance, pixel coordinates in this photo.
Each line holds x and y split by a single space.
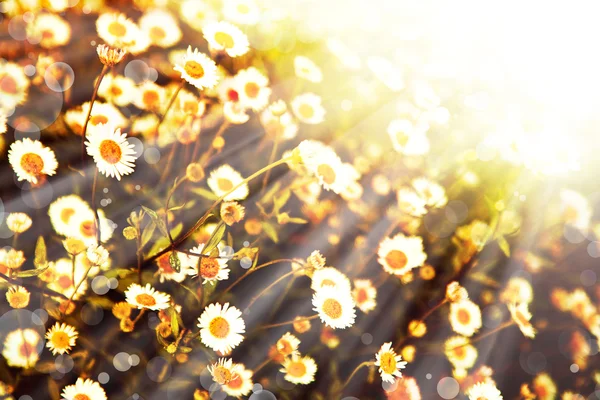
184 349
280 201
177 230
175 208
191 291
504 246
159 245
160 223
207 194
174 321
147 233
270 231
297 221
119 272
215 238
40 260
174 261
32 272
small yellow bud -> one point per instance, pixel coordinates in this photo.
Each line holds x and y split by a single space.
130 233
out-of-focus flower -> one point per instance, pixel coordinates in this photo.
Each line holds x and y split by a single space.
299 370
455 292
460 352
224 36
146 297
221 327
18 297
11 259
223 371
307 69
521 315
364 294
334 306
18 222
400 254
252 88
544 387
14 85
408 139
224 179
308 109
50 30
241 384
244 12
465 317
31 161
517 290
232 212
330 276
487 391
389 363
288 344
21 348
160 27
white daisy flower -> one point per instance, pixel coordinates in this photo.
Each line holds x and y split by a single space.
211 269
299 370
82 225
330 276
61 338
118 31
113 154
323 162
223 179
197 13
408 139
22 348
241 384
307 69
389 363
460 352
517 290
198 69
17 296
3 121
117 89
243 12
150 97
308 109
288 344
223 36
84 390
61 272
235 113
364 294
400 254
252 88
432 193
521 315
147 297
50 29
335 307
221 327
160 27
13 85
484 391
166 271
18 222
31 160
223 371
465 317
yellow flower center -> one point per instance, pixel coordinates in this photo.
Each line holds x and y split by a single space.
463 316
8 84
402 138
64 282
327 173
251 89
110 151
224 184
284 347
18 299
117 29
98 119
157 33
235 383
396 259
361 296
387 363
88 228
332 308
27 349
66 214
296 369
209 267
224 40
32 163
150 98
194 69
60 340
306 111
81 396
219 327
115 90
327 282
243 8
145 299
221 375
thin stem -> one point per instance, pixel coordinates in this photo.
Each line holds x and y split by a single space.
282 277
97 221
76 289
73 267
87 118
252 270
290 322
206 156
138 252
171 192
271 159
14 241
261 365
204 217
483 336
171 102
359 366
142 312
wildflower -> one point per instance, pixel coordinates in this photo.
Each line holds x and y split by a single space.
198 69
160 27
224 179
484 390
400 254
308 109
18 222
456 293
84 390
364 294
299 370
460 352
22 348
241 384
465 317
146 297
252 88
223 36
212 269
330 276
335 307
389 363
245 12
221 327
122 310
31 161
61 338
194 172
306 69
223 371
18 297
232 212
288 345
50 29
113 154
521 315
